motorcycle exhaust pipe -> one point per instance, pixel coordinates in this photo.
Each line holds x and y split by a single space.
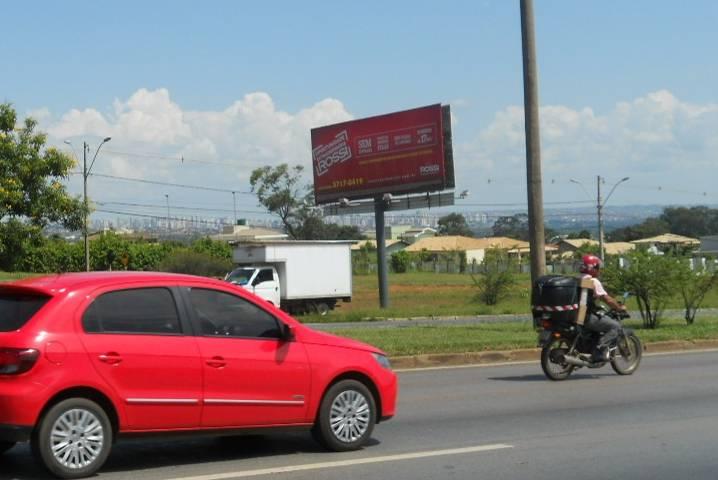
576 362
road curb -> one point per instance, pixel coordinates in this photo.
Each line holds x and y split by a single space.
523 355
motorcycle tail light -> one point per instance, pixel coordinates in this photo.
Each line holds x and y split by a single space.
556 335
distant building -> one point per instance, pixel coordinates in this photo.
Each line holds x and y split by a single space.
475 248
667 242
417 233
568 247
709 245
245 233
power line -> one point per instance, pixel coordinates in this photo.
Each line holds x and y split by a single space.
168 184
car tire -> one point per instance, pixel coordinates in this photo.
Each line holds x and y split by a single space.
5 446
346 416
90 435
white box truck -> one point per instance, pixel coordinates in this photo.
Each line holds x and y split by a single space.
299 276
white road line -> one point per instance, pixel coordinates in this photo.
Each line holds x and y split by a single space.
347 463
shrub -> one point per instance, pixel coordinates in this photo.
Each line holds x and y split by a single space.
195 263
400 261
496 277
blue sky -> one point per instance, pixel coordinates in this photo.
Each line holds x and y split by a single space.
626 88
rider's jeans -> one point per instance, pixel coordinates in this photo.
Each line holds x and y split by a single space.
604 324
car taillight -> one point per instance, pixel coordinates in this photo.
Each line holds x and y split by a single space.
14 361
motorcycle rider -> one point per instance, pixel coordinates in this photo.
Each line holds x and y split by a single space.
591 269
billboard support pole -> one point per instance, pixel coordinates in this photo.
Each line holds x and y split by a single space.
379 208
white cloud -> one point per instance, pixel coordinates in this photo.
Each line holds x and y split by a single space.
657 132
656 135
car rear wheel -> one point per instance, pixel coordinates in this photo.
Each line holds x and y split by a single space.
73 438
5 446
346 416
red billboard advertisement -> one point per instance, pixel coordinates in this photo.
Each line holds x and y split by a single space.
402 152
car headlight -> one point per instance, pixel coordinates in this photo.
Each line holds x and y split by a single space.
382 360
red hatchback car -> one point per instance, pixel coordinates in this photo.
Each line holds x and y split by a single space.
86 358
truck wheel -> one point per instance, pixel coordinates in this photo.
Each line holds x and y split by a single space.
74 438
346 417
321 308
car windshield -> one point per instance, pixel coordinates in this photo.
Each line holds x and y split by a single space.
240 276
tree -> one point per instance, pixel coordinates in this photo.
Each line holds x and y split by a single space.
278 190
691 221
454 224
31 193
648 228
516 226
649 277
693 284
578 235
496 276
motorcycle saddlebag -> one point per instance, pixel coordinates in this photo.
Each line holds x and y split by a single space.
555 297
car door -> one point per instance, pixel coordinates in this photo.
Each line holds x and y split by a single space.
138 343
266 285
251 376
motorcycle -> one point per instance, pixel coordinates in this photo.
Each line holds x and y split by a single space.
566 347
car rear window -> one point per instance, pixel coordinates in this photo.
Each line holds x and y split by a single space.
16 308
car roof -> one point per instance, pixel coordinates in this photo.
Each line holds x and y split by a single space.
51 284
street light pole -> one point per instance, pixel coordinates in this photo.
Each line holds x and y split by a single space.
599 209
86 173
167 197
234 202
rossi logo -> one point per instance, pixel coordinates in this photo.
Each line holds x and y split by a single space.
336 151
428 170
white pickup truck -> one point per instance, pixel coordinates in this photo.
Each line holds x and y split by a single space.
299 276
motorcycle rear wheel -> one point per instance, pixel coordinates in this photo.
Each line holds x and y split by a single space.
554 370
628 355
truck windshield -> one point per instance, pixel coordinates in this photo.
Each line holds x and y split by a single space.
240 276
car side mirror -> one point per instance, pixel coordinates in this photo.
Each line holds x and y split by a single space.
287 333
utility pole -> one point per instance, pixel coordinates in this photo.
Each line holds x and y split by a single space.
234 202
85 205
533 142
599 206
380 205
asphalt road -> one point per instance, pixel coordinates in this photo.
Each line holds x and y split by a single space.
496 422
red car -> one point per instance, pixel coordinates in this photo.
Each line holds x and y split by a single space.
86 358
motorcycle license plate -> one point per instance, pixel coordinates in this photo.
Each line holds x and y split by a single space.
544 337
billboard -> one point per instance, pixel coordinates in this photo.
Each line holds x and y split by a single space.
397 153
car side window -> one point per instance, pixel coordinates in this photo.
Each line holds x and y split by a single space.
225 315
264 275
136 311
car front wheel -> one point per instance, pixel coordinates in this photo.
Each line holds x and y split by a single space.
73 438
346 416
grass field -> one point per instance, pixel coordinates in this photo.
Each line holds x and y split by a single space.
503 336
440 294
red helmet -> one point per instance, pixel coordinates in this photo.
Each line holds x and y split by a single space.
590 265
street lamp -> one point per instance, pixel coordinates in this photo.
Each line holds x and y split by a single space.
167 197
86 173
599 207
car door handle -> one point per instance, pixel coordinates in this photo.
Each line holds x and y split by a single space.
111 358
216 362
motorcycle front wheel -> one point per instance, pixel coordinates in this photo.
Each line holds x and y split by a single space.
551 360
628 355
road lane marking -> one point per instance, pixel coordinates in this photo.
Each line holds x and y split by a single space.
348 463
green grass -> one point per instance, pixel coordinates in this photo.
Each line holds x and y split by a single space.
420 294
10 276
503 336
